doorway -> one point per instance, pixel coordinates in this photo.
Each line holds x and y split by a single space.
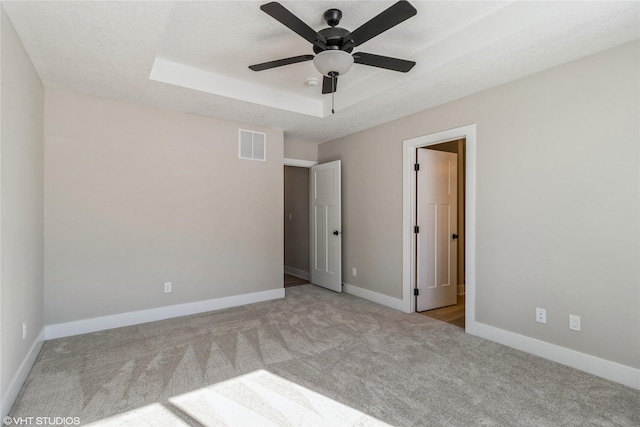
468 133
296 225
440 197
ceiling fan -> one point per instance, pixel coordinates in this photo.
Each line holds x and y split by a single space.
333 45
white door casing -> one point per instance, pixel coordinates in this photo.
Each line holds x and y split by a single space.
468 132
436 241
325 218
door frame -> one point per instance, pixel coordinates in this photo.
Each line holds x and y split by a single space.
300 164
409 147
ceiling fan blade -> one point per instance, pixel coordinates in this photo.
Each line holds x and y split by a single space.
386 62
387 19
329 84
281 62
295 24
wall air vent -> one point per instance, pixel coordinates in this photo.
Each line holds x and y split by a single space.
252 145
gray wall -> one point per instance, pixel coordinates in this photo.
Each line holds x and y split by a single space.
135 197
21 216
557 202
300 150
296 227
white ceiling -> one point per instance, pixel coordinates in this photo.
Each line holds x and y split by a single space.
197 54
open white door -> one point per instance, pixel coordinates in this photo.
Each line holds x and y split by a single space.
436 240
325 217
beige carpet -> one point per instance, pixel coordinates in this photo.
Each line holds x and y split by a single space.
315 358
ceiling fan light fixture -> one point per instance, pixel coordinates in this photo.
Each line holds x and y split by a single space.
333 61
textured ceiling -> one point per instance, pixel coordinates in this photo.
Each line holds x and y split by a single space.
109 49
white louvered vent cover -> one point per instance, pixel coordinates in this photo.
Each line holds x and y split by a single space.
252 145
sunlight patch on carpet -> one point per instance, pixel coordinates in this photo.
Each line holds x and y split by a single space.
150 415
261 398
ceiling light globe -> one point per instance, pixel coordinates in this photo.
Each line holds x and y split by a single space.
336 61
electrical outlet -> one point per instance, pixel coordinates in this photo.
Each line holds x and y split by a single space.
167 287
354 272
574 322
24 330
541 315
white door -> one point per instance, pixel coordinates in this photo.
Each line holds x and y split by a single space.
436 238
325 217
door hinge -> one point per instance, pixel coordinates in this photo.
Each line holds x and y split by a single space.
416 167
416 291
416 229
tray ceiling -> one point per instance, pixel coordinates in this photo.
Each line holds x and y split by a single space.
193 56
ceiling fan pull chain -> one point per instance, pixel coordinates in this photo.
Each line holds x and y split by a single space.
333 98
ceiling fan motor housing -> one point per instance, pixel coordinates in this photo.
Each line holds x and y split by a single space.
336 38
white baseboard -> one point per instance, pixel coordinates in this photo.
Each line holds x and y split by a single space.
374 296
151 315
593 365
297 272
20 376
